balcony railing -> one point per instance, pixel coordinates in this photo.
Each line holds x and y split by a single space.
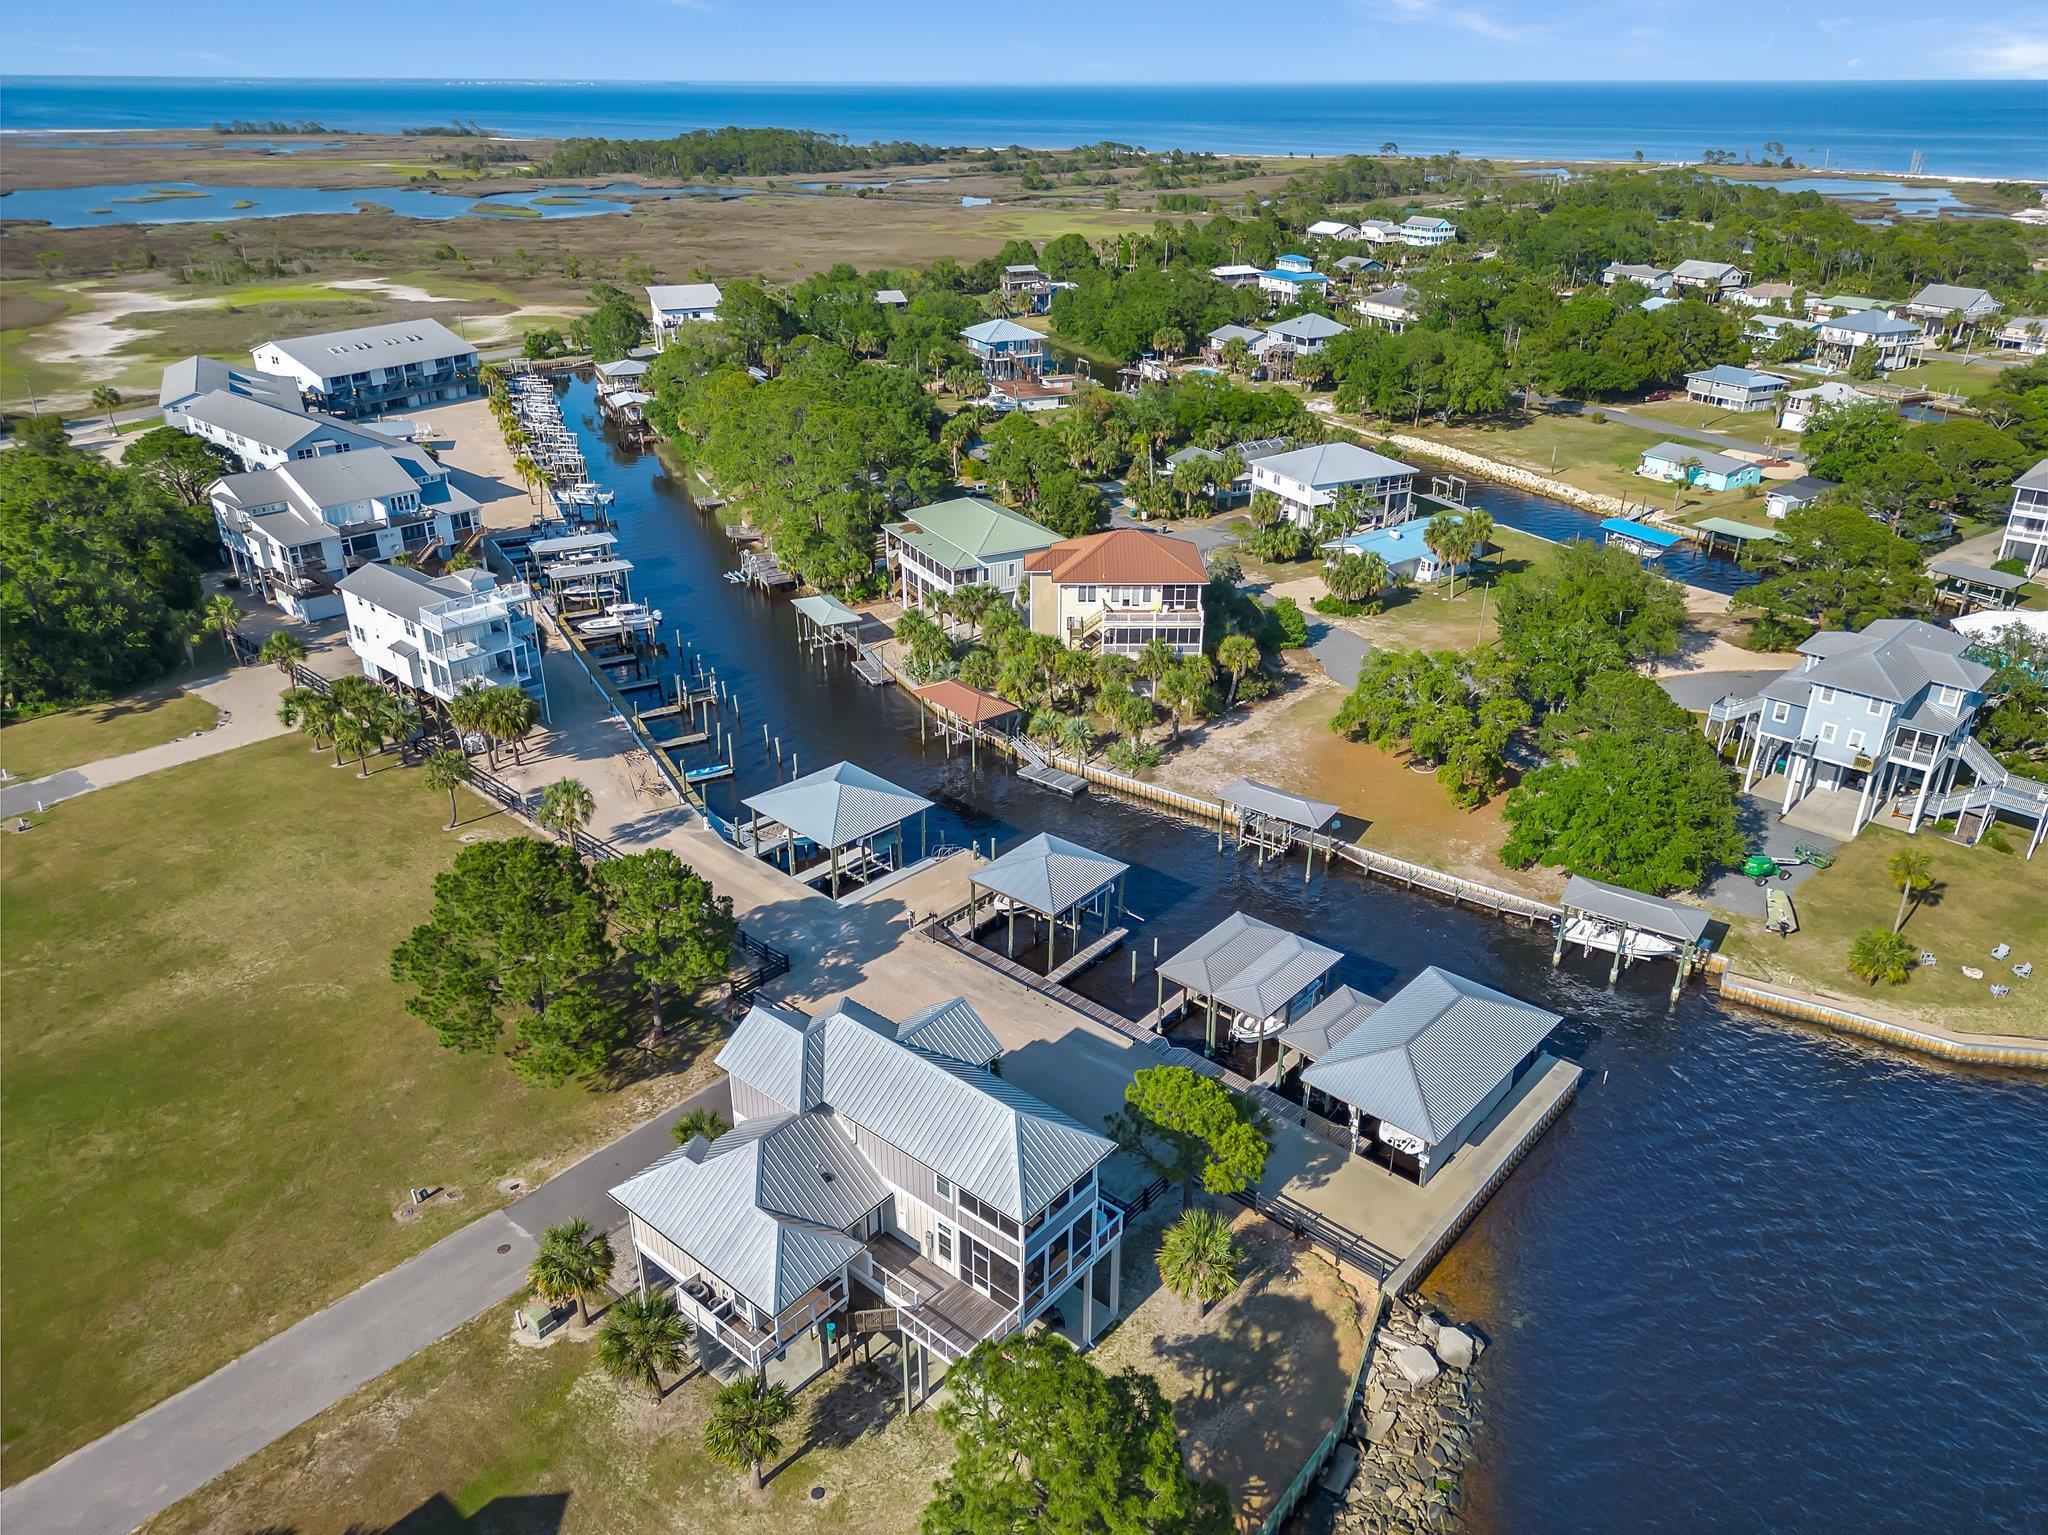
720 1318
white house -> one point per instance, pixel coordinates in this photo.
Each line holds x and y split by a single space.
1762 295
1427 233
1840 339
671 306
2026 334
261 435
1709 279
966 541
1308 479
292 532
1732 388
1952 305
1332 229
2026 525
1802 405
442 634
1380 232
1119 590
1390 308
1236 275
375 368
193 378
1656 278
892 298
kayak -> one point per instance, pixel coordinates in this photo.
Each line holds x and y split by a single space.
1778 914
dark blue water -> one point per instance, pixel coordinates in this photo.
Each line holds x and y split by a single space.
131 203
1562 524
1979 128
1756 1279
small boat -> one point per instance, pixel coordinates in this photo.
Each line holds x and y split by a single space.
1778 914
1250 1030
622 618
1599 933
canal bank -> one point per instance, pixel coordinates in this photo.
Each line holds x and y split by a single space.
1699 1266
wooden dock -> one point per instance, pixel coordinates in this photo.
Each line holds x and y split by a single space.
1074 964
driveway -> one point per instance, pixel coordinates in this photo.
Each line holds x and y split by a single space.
1722 441
1763 832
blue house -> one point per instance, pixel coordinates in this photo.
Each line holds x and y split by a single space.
1005 348
1690 464
1402 547
1291 275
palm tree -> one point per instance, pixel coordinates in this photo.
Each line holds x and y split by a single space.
509 716
744 1418
1444 535
642 1340
1911 873
222 612
469 712
1237 654
354 737
705 1122
448 770
571 1263
1076 735
1877 955
566 807
313 714
1479 533
107 398
529 474
1185 686
284 650
1199 1258
1155 658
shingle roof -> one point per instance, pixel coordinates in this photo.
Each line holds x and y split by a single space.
1432 1053
335 352
1121 557
1329 465
1049 874
1894 659
1942 295
837 805
1250 965
970 530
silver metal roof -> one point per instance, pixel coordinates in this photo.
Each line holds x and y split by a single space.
336 353
957 1118
683 295
1431 1053
1333 464
1316 1033
190 377
996 332
1295 809
1707 461
1250 965
953 1028
837 805
1893 659
1650 913
276 427
1049 874
1977 575
572 543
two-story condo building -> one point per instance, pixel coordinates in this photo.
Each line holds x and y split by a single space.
1308 479
1115 591
1885 715
1006 349
1734 388
442 634
671 306
1837 341
294 531
375 368
2026 525
875 1165
192 378
966 541
1708 279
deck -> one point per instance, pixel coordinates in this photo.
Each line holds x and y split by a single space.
953 1311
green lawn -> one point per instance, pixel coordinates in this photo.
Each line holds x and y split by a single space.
1593 455
1946 375
38 747
211 1098
1981 898
1751 425
479 1427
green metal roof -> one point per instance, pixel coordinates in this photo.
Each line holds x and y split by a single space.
1740 531
967 531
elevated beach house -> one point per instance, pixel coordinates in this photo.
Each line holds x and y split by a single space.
1332 229
1802 405
1426 232
1006 349
1883 718
1236 274
1116 591
374 368
1708 279
1023 283
1656 278
1951 307
1289 277
441 634
2026 525
1391 308
294 531
1837 341
1690 464
966 541
1309 479
1733 388
2025 334
1298 336
875 1166
671 306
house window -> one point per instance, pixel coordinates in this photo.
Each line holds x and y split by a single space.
945 1187
1084 594
1874 706
1827 695
1827 731
1950 697
945 1243
1856 740
1781 713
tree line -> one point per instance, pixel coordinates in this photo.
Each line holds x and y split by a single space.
732 151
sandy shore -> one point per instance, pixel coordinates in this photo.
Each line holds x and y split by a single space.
469 442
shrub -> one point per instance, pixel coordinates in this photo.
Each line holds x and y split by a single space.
1287 624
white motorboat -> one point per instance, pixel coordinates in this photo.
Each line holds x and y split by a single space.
1600 933
1250 1030
622 618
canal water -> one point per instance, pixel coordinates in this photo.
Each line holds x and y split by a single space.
1755 1278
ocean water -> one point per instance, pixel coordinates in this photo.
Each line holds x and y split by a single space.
1960 128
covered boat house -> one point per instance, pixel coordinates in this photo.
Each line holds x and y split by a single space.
1053 882
839 823
1274 820
1419 1075
966 714
1630 925
1257 977
822 620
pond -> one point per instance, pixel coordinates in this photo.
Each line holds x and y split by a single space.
1905 196
1756 1278
190 202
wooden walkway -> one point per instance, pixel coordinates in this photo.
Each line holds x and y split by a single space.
1074 964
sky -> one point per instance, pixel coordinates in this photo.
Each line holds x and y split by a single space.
1159 42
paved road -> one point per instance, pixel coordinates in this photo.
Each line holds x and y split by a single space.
178 1446
1721 441
1341 652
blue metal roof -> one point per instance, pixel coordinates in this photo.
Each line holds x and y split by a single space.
1641 532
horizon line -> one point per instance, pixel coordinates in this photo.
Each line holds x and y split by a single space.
1020 84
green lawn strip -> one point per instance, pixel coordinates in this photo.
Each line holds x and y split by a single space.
211 1097
1946 375
464 1428
1982 898
1593 455
38 747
